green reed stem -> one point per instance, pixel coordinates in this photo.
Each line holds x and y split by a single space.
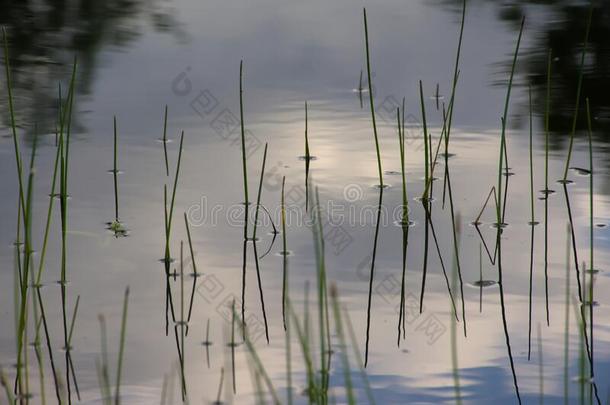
49 216
121 347
499 215
578 90
115 174
370 83
164 140
12 116
243 146
344 355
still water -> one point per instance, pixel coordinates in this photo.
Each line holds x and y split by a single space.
136 57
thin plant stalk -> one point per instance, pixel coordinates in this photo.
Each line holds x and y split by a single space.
372 105
246 201
566 333
578 91
547 114
164 140
117 392
255 226
345 357
308 157
499 215
284 255
114 175
532 224
454 345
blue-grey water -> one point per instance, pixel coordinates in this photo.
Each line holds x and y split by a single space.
136 57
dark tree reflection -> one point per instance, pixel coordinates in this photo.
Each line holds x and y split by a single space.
45 35
560 25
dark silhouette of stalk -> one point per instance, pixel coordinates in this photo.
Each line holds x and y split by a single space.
284 255
424 199
404 222
246 202
233 346
532 225
308 159
164 140
500 214
546 186
381 186
207 343
195 274
368 311
258 273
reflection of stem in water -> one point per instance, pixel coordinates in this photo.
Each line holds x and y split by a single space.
381 185
308 158
404 223
246 202
454 348
573 235
566 333
440 258
368 311
540 366
532 225
222 377
260 287
195 275
69 348
424 199
591 265
168 215
182 324
547 114
289 391
233 346
500 215
455 245
255 226
284 255
48 342
480 278
207 342
115 174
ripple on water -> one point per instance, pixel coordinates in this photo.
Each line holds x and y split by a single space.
284 253
484 283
